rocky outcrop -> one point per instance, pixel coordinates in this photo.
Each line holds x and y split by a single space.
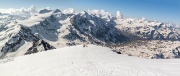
44 11
176 52
18 40
38 46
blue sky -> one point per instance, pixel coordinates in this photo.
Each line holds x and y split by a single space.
161 10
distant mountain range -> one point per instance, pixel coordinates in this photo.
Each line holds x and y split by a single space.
50 29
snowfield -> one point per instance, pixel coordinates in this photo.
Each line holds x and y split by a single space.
90 61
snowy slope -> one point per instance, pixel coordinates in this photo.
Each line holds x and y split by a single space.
91 61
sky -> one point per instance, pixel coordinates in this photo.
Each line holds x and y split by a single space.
160 10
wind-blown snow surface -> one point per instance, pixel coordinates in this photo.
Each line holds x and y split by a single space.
90 61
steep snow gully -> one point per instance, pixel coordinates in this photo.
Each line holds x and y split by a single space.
89 61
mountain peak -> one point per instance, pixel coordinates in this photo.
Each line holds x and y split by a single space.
56 11
42 11
119 15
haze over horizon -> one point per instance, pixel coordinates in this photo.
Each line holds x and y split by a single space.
161 10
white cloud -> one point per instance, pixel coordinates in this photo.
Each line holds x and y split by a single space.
22 11
32 9
69 11
5 10
99 12
48 8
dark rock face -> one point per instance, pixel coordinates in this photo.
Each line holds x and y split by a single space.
101 30
12 44
25 33
159 56
39 46
44 11
19 39
176 52
72 36
16 41
56 11
49 25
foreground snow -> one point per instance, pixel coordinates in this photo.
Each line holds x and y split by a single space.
90 61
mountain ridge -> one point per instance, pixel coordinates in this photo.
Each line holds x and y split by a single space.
60 29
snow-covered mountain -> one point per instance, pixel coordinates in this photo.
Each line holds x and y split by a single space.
57 30
89 61
17 40
95 27
151 49
49 29
148 30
